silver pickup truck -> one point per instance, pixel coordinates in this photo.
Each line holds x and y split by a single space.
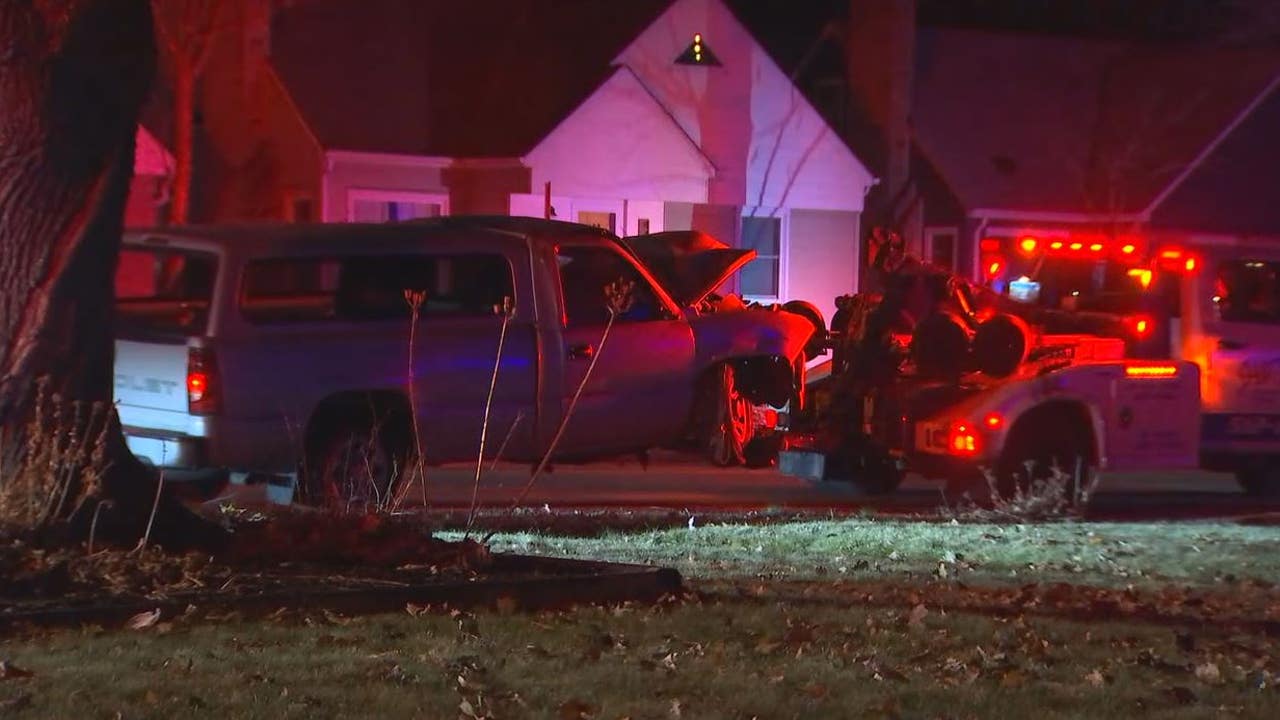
284 350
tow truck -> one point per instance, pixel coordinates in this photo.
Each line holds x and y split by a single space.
1014 378
1212 301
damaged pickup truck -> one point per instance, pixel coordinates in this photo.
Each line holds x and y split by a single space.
283 351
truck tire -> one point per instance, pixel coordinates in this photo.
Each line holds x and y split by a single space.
1261 479
1046 437
728 418
355 460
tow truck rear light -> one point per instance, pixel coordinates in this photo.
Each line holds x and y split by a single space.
993 421
1055 245
1128 249
1150 371
1028 245
963 440
1140 326
203 397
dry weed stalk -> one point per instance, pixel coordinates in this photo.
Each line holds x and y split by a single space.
619 298
61 464
507 310
1060 496
414 298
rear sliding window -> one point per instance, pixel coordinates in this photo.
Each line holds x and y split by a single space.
1247 291
374 287
164 291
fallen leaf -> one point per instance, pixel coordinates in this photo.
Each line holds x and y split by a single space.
1013 679
9 671
815 690
576 709
1209 673
917 616
465 707
1095 679
143 620
677 709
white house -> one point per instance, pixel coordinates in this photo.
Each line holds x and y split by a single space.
641 116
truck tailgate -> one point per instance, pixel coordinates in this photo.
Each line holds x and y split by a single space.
150 375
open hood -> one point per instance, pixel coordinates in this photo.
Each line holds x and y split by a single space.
688 263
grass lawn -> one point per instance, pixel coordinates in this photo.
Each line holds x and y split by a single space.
709 659
792 621
1102 554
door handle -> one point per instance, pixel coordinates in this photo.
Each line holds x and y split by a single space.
581 352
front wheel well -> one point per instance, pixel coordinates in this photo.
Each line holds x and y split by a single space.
1054 421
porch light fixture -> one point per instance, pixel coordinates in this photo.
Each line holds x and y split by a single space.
698 53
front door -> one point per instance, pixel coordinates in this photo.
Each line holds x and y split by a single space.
640 389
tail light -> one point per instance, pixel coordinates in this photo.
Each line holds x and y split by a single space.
1150 370
203 397
963 440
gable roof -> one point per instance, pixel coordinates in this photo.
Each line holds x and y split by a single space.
1053 124
482 78
1233 189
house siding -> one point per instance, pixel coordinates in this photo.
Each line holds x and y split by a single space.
823 256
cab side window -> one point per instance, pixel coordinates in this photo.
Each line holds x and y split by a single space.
1248 291
373 287
588 275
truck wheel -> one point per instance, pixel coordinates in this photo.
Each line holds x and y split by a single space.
729 419
1262 479
355 462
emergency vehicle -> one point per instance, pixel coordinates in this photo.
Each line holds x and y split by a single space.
1211 301
1048 363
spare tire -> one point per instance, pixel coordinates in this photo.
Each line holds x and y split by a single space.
1001 344
940 346
817 344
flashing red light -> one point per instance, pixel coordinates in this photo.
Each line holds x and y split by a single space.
1096 247
1128 249
1055 245
1140 325
1077 246
1170 254
993 421
1150 371
963 440
990 244
994 268
1028 244
1190 265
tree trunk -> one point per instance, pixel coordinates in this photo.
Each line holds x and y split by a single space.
184 110
73 77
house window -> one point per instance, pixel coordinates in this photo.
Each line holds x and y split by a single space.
940 247
379 206
642 226
762 277
604 220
